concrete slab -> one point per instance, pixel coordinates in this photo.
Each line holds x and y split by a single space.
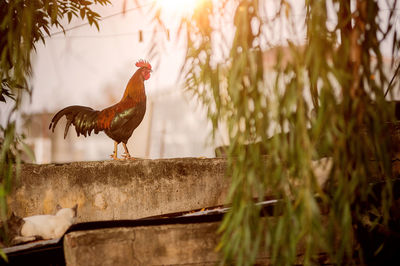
115 190
176 244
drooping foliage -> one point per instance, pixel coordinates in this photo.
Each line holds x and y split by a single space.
297 82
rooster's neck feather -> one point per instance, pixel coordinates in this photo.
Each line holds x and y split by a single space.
135 88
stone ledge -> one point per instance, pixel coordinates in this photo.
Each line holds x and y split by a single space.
114 190
175 244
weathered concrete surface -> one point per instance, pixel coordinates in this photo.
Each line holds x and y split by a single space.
116 190
172 244
111 190
177 244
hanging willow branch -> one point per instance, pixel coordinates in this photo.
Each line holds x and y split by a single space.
300 84
396 72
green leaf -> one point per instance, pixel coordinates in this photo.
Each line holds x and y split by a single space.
96 23
46 29
69 16
86 3
82 12
3 255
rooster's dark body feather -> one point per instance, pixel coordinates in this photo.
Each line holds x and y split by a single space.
83 118
125 122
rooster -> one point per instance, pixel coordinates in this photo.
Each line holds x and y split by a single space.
117 121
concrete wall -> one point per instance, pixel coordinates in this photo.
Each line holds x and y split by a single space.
109 190
177 244
115 190
172 244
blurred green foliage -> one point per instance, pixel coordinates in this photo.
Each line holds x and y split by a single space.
298 86
22 24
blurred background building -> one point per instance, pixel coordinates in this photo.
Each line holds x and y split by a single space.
173 127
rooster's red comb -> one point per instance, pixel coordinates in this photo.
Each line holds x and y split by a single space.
143 63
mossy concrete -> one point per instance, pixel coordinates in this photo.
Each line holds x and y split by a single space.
113 190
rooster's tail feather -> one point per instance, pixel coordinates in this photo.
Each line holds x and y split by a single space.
83 118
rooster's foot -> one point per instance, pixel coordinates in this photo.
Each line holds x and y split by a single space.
114 157
127 156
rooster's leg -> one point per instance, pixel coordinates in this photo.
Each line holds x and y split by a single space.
126 155
114 155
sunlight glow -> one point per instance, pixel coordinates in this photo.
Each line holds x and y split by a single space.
178 7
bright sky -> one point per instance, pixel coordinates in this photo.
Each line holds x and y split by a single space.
79 67
178 7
